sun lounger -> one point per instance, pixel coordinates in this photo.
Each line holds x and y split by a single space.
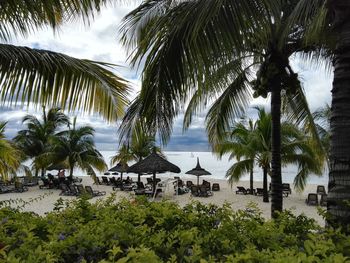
194 190
5 189
215 187
286 189
259 191
241 190
65 190
94 193
81 190
321 190
30 181
189 184
20 188
312 199
323 200
203 191
73 190
105 180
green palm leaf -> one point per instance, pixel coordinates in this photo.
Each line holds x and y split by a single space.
49 78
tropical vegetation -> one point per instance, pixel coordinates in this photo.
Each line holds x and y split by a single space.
142 231
250 144
34 141
207 52
137 145
76 148
44 77
10 156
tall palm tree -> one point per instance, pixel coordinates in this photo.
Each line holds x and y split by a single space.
76 148
9 156
49 78
206 52
296 150
34 141
331 28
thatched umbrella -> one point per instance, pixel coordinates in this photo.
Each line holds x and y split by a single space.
121 168
198 171
153 164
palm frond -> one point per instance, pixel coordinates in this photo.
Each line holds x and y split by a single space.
49 78
236 171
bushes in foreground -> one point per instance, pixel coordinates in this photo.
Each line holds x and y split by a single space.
142 231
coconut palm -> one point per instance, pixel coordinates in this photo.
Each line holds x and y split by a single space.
239 146
76 148
45 77
34 140
207 51
9 156
140 143
322 117
256 149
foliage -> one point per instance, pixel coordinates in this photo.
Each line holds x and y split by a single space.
142 231
44 77
251 144
9 155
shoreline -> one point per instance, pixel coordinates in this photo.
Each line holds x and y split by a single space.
294 202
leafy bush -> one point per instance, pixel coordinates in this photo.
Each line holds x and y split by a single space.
142 231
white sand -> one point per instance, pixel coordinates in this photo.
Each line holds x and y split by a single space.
294 202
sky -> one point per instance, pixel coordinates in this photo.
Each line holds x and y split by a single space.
100 41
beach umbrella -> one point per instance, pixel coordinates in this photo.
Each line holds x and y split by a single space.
121 168
198 171
153 164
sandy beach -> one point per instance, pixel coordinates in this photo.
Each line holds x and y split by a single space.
294 202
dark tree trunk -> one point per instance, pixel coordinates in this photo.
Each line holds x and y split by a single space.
265 193
276 177
339 170
251 179
154 182
71 173
139 178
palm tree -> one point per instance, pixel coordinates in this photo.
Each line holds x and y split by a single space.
256 149
9 155
239 146
140 143
34 141
206 51
45 77
330 27
76 148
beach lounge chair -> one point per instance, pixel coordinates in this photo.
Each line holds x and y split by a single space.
286 189
321 190
81 190
30 181
241 190
5 189
20 188
189 184
194 190
112 180
215 187
73 190
203 191
92 192
105 180
141 190
259 192
46 184
97 181
312 199
65 190
323 200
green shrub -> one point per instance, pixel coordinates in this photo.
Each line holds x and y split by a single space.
142 231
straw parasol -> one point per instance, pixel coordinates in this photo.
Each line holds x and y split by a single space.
153 164
121 168
198 171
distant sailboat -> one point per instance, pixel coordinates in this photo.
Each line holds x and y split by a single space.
192 155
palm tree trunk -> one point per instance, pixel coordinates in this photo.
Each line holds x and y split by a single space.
251 179
71 172
265 193
276 177
339 172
